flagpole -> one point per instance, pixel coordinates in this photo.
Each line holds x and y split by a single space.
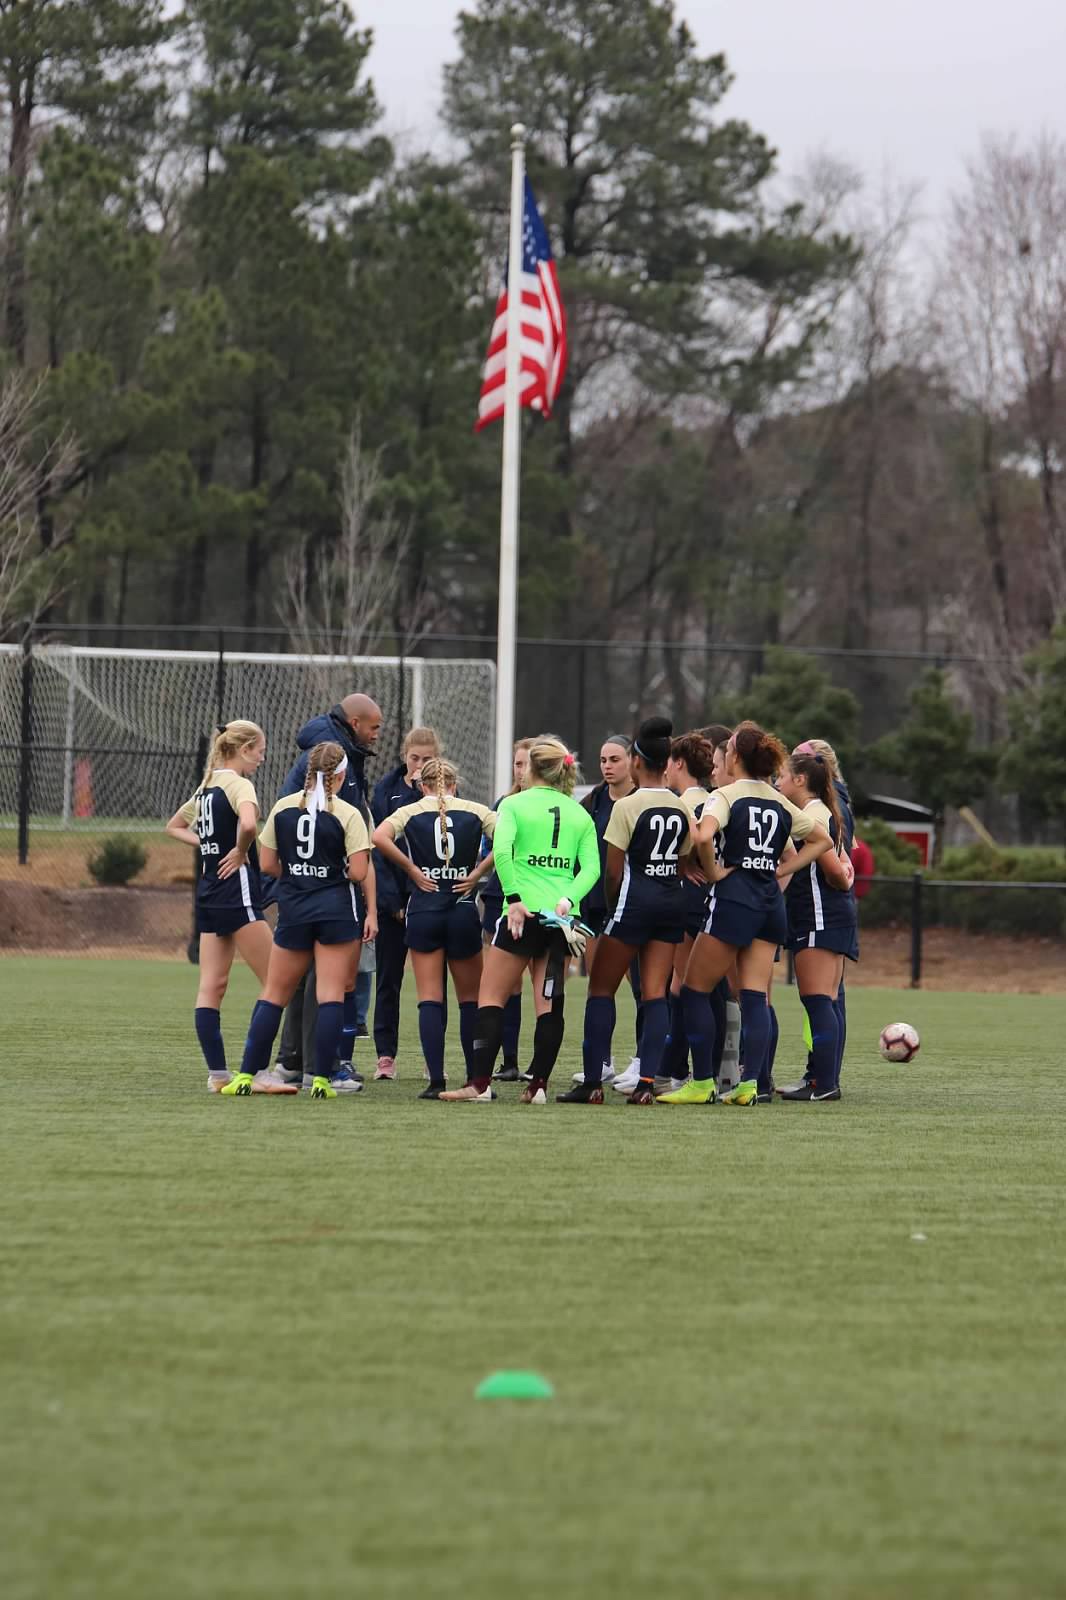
512 458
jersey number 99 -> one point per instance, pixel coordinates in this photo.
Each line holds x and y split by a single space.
205 816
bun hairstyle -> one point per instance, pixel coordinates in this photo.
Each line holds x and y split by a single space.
653 742
552 763
325 758
230 739
819 777
439 775
761 754
697 753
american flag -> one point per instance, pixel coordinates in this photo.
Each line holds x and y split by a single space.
543 328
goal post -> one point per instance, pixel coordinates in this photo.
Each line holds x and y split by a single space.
114 733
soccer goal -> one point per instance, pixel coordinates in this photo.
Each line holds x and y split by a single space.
114 734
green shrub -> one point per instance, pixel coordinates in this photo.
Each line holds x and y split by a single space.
118 859
1037 913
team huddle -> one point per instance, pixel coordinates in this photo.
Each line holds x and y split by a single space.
686 871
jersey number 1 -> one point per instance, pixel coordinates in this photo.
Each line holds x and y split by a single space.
556 812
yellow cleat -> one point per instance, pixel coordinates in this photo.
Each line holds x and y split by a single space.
696 1092
745 1094
322 1089
240 1083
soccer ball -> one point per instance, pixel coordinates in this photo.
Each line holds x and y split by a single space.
899 1042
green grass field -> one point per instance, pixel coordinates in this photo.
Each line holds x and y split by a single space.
240 1339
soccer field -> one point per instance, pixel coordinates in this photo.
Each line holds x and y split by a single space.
798 1351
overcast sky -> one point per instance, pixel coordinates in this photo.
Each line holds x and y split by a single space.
906 86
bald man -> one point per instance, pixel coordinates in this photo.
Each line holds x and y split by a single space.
355 725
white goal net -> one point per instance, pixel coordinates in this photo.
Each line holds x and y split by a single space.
114 734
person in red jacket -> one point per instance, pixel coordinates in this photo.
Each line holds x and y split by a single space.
862 859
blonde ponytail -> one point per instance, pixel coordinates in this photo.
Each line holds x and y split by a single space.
230 739
324 758
440 775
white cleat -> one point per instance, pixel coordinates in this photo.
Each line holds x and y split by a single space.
539 1099
608 1075
217 1081
267 1082
627 1081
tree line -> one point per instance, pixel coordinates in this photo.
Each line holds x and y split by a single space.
780 427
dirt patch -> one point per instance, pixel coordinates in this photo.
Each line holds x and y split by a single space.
155 923
132 921
59 860
973 963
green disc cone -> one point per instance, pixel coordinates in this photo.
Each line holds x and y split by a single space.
514 1386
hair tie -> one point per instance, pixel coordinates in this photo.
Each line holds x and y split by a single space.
568 760
640 753
220 727
820 760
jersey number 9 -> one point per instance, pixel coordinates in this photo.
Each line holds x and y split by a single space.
305 836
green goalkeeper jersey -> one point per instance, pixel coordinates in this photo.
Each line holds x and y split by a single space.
542 837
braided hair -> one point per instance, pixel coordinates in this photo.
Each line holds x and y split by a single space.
440 775
324 758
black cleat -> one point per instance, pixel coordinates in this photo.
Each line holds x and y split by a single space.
433 1091
583 1094
765 1097
643 1094
508 1073
810 1091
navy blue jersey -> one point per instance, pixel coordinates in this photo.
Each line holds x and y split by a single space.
652 827
314 850
213 815
444 852
599 806
813 903
755 824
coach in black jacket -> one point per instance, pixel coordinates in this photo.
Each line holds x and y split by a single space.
397 788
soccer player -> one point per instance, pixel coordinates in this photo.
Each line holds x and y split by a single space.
318 848
688 775
355 724
491 912
746 919
444 864
397 788
219 822
541 836
647 836
616 783
821 747
822 924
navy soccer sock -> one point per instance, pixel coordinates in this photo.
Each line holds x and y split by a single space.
262 1031
719 998
655 1031
351 1015
675 1056
467 1031
701 1028
841 1009
825 1039
328 1027
487 1035
756 1014
512 1028
599 1030
775 1034
431 1037
209 1033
